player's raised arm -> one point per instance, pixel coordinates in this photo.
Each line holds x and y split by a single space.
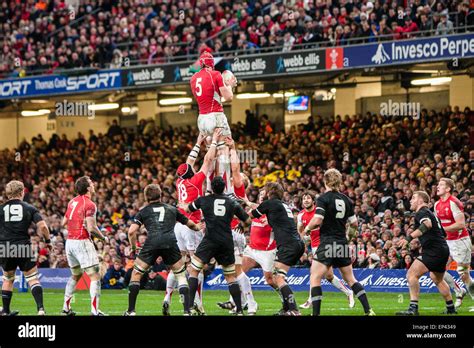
195 151
234 163
211 153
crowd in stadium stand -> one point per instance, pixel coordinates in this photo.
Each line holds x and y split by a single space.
383 161
45 36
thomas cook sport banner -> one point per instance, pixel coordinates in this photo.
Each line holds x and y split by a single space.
374 280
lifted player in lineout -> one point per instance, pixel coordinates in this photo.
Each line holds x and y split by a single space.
159 220
16 217
209 90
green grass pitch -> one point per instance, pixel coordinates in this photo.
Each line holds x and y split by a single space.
114 303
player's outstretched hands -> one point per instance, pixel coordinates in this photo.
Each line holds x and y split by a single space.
230 142
201 138
217 134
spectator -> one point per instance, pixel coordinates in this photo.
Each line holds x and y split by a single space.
410 28
445 27
115 276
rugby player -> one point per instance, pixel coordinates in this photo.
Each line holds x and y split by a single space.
333 211
189 186
80 221
434 255
450 212
159 220
303 219
208 89
16 217
218 210
290 247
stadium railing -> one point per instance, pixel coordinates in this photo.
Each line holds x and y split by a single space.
297 47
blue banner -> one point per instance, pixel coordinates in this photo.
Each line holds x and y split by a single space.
374 280
59 84
409 51
373 55
50 278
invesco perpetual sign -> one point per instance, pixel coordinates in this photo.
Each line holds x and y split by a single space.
445 47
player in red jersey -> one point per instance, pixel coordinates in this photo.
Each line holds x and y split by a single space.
208 89
450 212
189 186
304 217
261 250
80 220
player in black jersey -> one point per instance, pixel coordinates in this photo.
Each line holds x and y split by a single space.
434 255
16 217
159 220
218 210
334 210
290 247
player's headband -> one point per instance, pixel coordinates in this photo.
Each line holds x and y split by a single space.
206 59
184 170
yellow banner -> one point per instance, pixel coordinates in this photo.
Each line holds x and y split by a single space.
274 176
